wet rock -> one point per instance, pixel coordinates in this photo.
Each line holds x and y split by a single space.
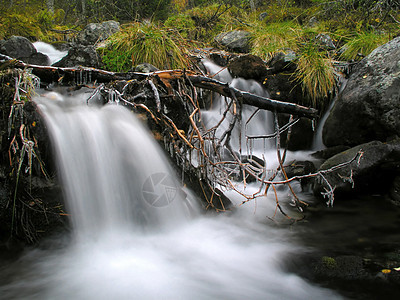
302 133
80 56
247 66
378 167
94 33
221 58
329 152
236 40
394 192
282 61
38 58
17 47
300 168
369 106
346 267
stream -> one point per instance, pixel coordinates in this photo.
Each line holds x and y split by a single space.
137 233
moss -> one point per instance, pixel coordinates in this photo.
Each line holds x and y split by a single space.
329 262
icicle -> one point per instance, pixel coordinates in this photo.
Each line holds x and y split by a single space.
251 149
90 76
313 124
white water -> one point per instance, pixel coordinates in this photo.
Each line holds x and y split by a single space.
252 124
318 143
54 54
125 246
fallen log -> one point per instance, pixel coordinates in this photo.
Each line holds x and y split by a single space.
81 75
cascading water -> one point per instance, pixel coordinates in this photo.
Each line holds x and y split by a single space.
135 233
253 122
54 54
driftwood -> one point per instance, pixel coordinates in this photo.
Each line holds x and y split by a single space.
81 75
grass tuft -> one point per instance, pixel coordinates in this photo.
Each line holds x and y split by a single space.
144 43
363 44
316 74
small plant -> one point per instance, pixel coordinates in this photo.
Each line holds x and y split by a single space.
363 44
144 43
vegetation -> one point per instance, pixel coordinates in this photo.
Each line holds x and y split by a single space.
156 31
144 43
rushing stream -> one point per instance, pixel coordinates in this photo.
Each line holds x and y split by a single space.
137 233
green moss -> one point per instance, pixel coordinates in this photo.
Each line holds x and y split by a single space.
329 262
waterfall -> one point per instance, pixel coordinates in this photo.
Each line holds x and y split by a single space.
136 234
110 166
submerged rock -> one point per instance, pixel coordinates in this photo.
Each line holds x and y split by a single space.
369 106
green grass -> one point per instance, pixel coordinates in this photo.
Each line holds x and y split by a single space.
144 43
271 38
363 44
316 74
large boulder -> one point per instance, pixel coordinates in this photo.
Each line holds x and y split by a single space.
235 40
80 55
375 173
17 47
369 106
94 33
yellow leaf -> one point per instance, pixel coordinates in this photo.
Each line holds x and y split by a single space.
386 271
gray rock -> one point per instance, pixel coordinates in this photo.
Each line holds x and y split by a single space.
38 58
325 41
145 68
376 171
17 47
369 106
80 56
236 40
94 33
